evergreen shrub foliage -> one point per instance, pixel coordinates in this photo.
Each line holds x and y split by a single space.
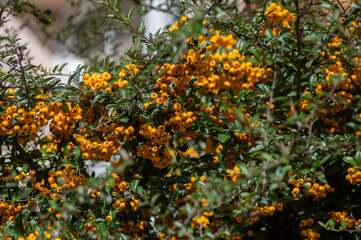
236 122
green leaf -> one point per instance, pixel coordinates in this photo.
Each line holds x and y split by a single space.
305 171
310 38
353 125
181 180
64 108
130 14
256 55
90 221
218 26
263 87
122 236
35 154
67 234
270 34
344 224
350 160
108 189
25 220
105 63
104 3
206 158
174 195
309 63
180 100
206 116
206 44
53 204
222 137
186 93
223 118
134 184
77 76
112 16
78 155
12 233
325 159
112 112
128 206
102 229
115 4
183 148
256 148
97 97
221 162
244 169
358 158
330 223
321 176
326 5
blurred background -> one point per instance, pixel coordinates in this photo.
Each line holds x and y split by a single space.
54 43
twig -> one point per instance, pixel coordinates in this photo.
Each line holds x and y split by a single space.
248 8
271 99
298 63
23 78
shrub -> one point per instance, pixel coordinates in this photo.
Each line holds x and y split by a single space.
228 125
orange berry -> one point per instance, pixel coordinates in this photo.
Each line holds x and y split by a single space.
177 107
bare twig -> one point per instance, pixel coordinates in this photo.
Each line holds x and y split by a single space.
298 60
248 8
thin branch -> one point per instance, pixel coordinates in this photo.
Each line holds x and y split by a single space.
22 71
248 8
298 63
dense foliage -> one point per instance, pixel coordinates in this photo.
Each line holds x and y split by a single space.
231 124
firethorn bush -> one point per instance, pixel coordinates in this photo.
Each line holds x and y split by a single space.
235 122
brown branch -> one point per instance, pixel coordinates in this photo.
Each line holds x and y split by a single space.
248 8
298 63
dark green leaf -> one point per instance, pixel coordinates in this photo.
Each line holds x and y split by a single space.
181 180
13 233
102 229
349 159
206 44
